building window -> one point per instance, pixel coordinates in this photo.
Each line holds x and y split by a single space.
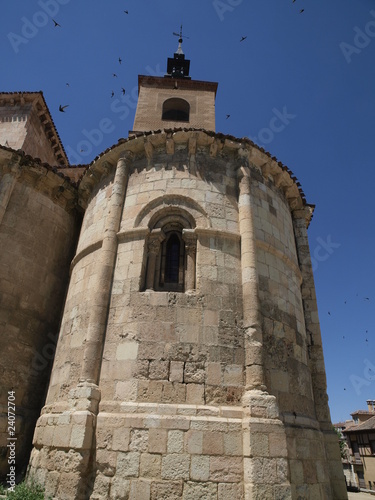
172 259
176 110
171 251
172 266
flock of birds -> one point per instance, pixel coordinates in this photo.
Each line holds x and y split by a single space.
366 331
123 90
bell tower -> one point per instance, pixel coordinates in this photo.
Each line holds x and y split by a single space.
175 100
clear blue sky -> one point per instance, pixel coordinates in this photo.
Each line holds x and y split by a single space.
316 66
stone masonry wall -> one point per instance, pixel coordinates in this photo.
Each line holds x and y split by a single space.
36 144
150 105
179 415
37 237
21 128
13 125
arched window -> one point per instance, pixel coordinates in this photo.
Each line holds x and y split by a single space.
172 261
171 248
176 110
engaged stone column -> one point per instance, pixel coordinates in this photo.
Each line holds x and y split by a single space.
259 406
190 239
7 184
251 311
153 247
102 287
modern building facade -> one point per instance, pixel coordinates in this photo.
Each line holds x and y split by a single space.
189 359
360 437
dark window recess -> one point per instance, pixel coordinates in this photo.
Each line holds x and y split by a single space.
176 110
172 259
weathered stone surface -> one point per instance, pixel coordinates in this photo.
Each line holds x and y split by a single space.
166 490
175 466
199 491
128 464
168 380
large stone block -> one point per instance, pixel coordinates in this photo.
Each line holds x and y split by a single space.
175 466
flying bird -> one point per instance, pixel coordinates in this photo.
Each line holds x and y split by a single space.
228 116
112 93
67 84
302 10
114 75
329 313
56 23
367 298
120 60
243 38
126 11
62 108
123 91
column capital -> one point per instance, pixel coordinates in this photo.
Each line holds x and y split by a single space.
303 214
190 238
126 156
243 171
244 176
154 239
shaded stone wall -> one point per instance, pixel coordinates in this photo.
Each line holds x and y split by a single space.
38 229
25 123
36 143
78 305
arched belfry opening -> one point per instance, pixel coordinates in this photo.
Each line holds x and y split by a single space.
176 109
171 251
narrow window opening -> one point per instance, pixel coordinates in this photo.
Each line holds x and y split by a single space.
172 259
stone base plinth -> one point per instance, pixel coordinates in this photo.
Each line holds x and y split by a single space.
151 451
154 451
